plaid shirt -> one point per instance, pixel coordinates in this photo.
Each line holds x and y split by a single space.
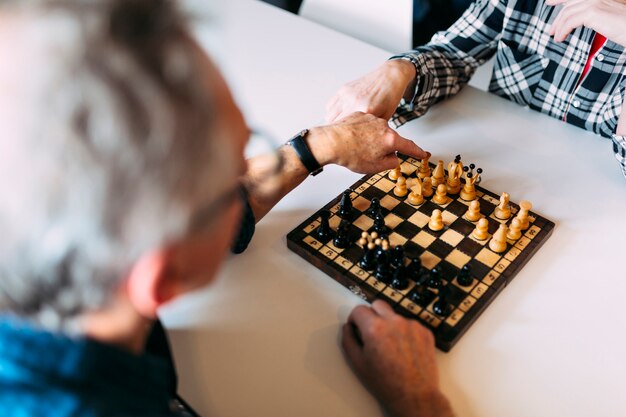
531 69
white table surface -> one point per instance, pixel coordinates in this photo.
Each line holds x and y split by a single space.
264 339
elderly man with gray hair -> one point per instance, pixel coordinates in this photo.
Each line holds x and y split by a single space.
124 183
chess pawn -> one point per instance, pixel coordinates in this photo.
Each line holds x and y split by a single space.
427 187
415 197
498 241
374 207
324 232
424 169
481 231
441 196
473 212
515 231
395 173
522 215
436 221
368 260
400 190
503 211
439 175
342 239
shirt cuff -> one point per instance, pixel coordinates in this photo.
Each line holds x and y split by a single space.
408 101
619 148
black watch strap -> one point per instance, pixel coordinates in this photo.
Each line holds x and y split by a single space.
304 153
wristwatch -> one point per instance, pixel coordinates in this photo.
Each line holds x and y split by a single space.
299 145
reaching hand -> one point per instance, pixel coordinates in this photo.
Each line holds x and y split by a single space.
395 359
377 93
362 143
607 17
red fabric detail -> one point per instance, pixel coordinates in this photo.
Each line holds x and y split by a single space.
596 45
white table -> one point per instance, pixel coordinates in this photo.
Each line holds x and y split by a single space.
263 340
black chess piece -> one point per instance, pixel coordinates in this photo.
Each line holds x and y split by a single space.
397 256
399 280
342 240
464 278
345 206
383 271
379 225
324 232
421 295
434 280
374 208
414 269
368 260
441 307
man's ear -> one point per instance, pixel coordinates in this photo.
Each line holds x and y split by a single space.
152 282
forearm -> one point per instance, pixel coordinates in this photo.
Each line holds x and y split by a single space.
291 174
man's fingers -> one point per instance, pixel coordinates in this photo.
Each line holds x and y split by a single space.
555 2
389 161
383 309
362 316
352 346
408 147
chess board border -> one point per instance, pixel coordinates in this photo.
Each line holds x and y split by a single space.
446 335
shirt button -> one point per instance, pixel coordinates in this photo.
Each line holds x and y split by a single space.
600 57
576 103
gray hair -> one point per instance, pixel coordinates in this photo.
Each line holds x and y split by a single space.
107 149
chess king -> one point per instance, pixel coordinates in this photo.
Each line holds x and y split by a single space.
121 160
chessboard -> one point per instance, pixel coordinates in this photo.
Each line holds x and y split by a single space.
449 276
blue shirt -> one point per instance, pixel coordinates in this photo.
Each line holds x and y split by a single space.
52 375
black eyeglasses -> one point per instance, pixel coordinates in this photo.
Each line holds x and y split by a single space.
269 162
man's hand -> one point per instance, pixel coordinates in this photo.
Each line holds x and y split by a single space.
395 359
607 17
377 93
362 143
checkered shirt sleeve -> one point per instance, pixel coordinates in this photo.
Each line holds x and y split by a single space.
530 68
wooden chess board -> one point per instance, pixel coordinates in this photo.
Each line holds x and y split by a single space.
448 250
